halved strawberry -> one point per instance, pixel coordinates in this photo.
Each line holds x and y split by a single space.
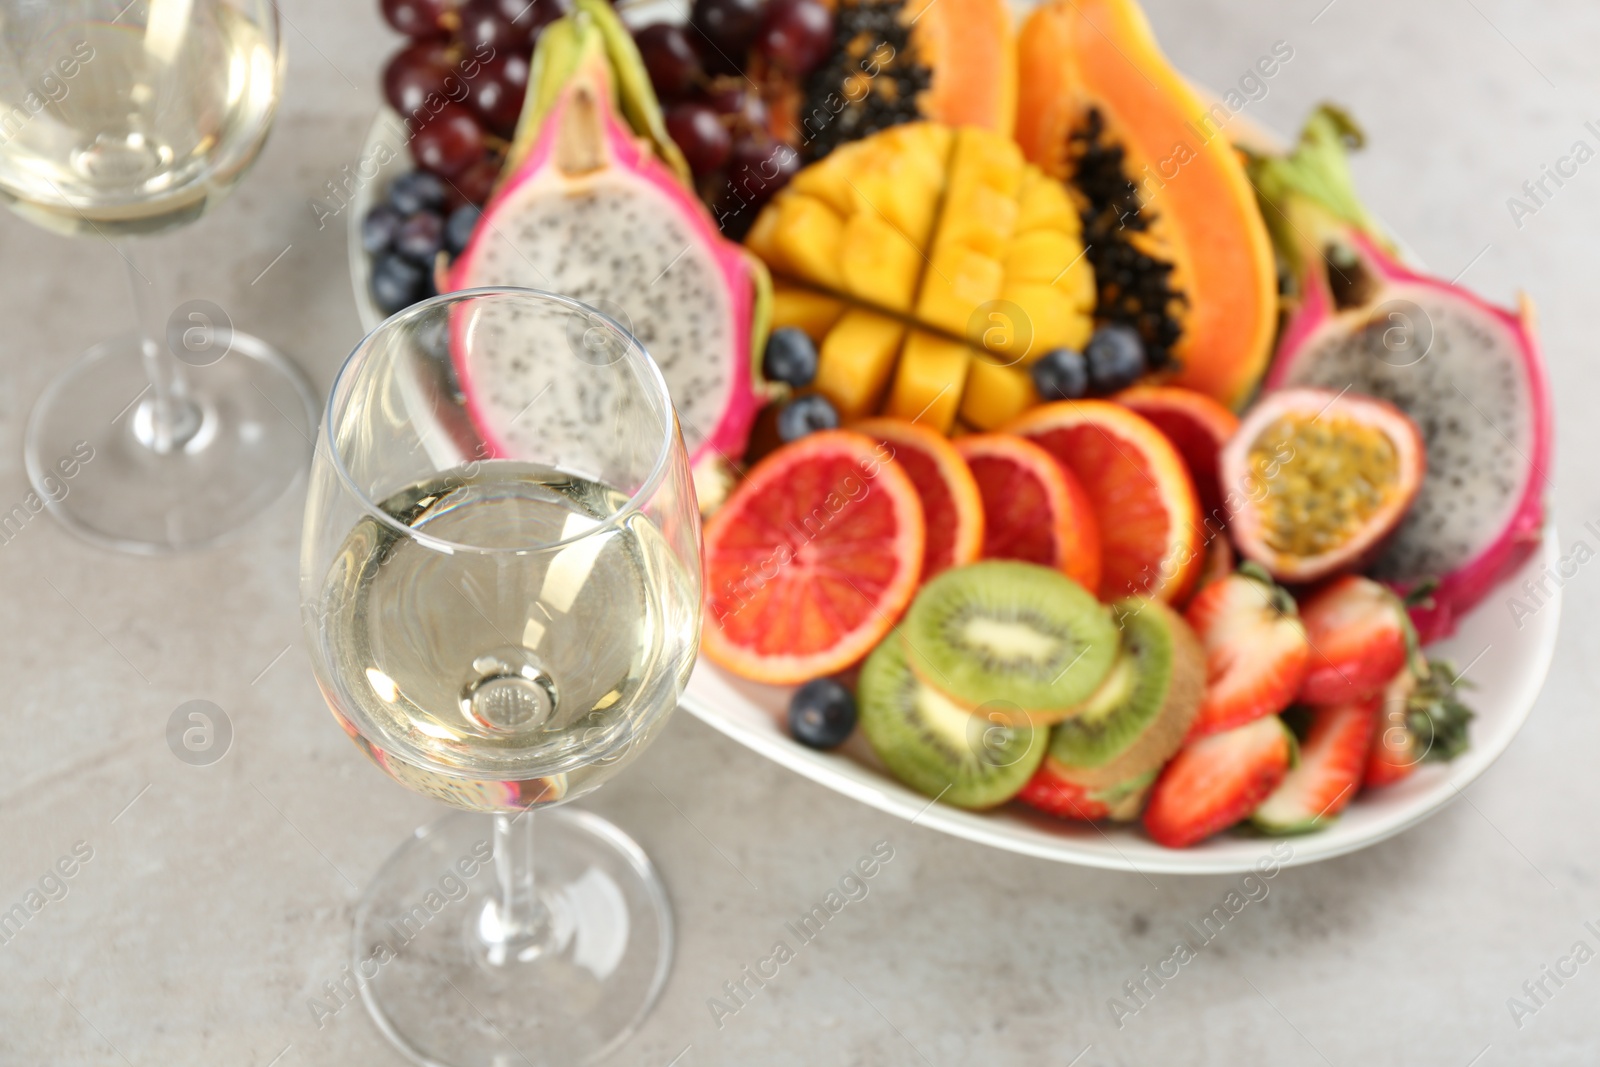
1255 649
1216 781
1360 636
1419 718
1055 790
1333 757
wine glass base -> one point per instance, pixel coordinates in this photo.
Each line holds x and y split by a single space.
430 982
91 464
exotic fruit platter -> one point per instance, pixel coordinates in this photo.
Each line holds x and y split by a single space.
1082 473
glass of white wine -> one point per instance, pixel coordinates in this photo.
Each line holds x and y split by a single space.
120 120
501 616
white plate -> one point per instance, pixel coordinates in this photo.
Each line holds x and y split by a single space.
1506 664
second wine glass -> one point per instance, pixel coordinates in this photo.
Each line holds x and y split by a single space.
503 609
120 120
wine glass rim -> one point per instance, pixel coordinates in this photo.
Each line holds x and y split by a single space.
633 350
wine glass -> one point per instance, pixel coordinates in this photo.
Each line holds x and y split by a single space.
123 119
503 603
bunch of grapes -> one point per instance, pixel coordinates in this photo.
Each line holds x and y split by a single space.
458 84
721 78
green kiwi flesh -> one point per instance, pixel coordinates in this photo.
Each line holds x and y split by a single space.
1139 717
1008 631
935 746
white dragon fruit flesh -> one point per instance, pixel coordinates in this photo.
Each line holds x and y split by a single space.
591 211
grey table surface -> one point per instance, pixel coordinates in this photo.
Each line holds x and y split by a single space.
218 899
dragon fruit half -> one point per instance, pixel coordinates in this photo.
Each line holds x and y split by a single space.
1468 373
595 204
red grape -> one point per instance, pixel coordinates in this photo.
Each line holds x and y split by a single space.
670 59
498 91
796 34
739 104
418 18
758 166
414 73
701 135
528 17
483 24
727 29
450 143
476 183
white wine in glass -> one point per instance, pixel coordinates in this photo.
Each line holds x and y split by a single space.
502 622
123 120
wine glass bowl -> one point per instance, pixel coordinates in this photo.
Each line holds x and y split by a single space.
122 119
501 584
130 119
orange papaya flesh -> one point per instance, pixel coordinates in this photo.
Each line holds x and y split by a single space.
898 61
1092 82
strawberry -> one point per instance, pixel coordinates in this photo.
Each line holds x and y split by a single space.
1419 718
1053 789
1333 758
1255 646
1214 782
1360 635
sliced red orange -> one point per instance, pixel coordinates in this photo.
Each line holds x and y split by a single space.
1198 427
811 560
1033 508
952 511
1149 517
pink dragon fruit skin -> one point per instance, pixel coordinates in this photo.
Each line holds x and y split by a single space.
588 97
1317 322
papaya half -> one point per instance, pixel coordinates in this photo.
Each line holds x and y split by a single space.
1173 230
969 47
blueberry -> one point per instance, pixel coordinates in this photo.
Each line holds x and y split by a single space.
433 338
822 713
806 414
379 228
397 282
458 230
416 191
790 357
1116 358
1061 374
421 238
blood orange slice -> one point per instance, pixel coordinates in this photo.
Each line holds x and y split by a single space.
1198 427
811 559
1150 536
1033 508
952 511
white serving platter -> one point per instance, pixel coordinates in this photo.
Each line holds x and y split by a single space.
1506 664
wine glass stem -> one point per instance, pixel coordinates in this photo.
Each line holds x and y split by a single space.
523 919
167 418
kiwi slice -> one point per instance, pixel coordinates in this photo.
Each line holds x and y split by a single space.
971 760
1014 632
1139 716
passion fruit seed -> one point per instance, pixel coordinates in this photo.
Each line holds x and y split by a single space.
1324 477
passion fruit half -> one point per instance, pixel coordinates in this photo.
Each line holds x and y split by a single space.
1314 480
